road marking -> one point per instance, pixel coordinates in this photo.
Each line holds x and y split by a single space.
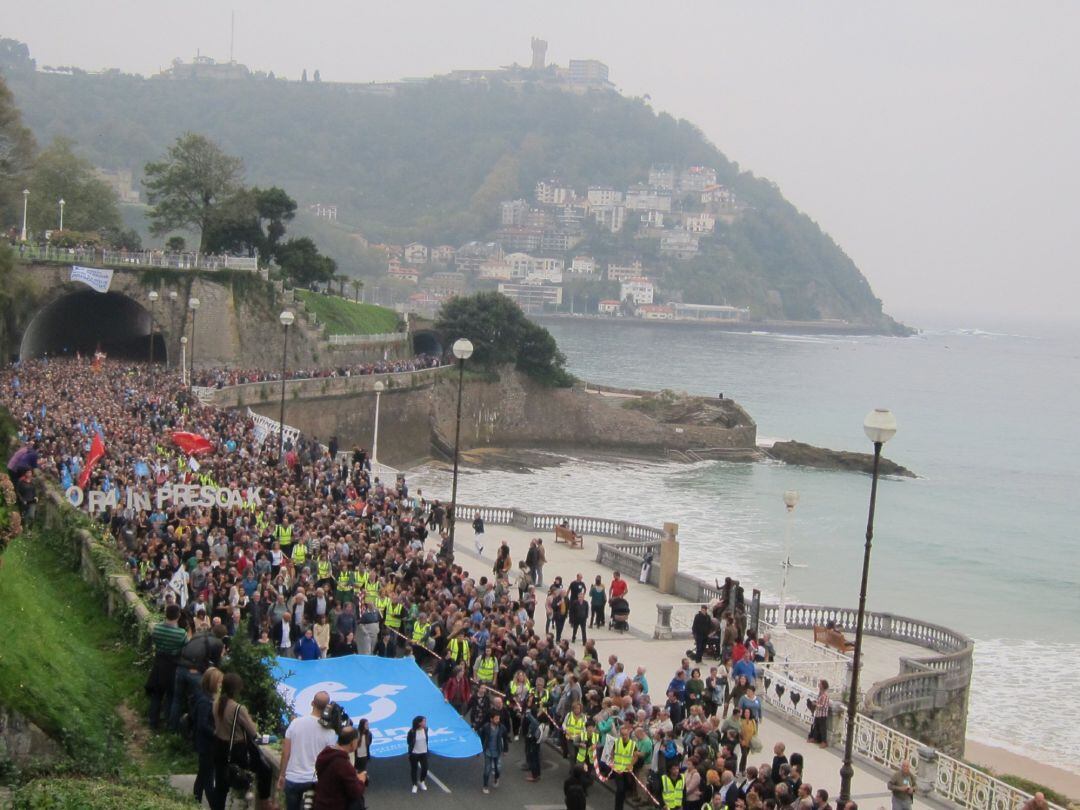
438 782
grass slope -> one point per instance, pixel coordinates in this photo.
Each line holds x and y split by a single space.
343 317
67 667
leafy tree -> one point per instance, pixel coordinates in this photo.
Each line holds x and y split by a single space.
16 154
16 294
188 185
89 203
357 285
301 262
250 220
502 335
175 244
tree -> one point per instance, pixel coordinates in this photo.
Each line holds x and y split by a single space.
301 262
175 244
188 185
356 285
237 225
59 174
16 154
502 335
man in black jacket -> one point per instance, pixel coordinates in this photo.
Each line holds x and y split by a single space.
700 629
202 651
579 617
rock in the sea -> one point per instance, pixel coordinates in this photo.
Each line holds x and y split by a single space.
807 455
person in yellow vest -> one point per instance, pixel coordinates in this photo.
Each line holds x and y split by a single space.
394 613
520 690
420 630
623 754
360 580
283 533
486 669
344 589
324 570
672 788
371 587
574 731
299 555
586 752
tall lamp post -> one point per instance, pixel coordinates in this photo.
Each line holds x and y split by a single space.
193 305
172 317
791 499
153 296
463 350
880 426
286 317
380 386
61 213
25 197
183 361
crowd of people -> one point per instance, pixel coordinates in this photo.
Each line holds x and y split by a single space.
221 377
336 562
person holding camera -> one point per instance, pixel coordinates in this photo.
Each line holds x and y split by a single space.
338 785
304 740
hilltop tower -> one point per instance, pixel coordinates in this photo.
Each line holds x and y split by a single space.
539 50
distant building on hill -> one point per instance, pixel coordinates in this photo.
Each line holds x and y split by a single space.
122 182
532 297
640 290
710 312
589 73
203 67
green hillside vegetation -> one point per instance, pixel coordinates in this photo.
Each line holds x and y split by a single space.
433 161
344 317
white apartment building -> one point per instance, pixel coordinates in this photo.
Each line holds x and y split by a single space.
644 198
641 290
532 297
623 272
416 253
611 217
583 266
604 195
662 176
696 179
699 223
539 268
549 192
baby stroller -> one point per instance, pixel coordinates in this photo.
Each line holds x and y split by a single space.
620 615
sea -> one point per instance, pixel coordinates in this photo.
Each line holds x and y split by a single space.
984 541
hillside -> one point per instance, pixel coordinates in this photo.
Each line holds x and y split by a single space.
432 162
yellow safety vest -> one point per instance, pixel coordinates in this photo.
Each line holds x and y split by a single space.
545 697
324 569
393 616
485 672
381 604
516 687
575 727
672 792
360 579
372 586
344 581
299 554
419 632
459 650
624 755
284 535
585 752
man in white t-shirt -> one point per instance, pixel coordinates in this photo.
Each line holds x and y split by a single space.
304 740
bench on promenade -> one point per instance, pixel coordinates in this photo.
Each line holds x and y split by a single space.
564 534
832 637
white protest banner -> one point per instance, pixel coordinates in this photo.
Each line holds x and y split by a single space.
96 278
178 585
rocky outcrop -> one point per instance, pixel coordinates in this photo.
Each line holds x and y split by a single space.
807 455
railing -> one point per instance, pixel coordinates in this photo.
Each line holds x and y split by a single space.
139 258
203 393
886 625
648 536
265 427
350 340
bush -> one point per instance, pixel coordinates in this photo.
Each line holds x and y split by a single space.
133 793
252 663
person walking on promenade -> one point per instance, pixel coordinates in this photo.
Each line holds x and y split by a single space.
618 588
417 740
819 730
533 732
305 738
339 786
494 742
701 629
579 618
478 534
597 602
902 785
541 561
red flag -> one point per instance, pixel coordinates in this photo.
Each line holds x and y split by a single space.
97 450
191 443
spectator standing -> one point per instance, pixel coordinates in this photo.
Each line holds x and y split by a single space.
597 602
305 738
819 730
169 639
902 785
417 740
338 785
494 742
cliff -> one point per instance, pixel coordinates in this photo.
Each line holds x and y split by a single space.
807 455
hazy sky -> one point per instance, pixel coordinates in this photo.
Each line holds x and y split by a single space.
936 142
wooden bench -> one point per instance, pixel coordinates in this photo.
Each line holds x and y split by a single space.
567 535
832 638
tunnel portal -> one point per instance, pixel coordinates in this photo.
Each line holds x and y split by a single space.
427 342
86 321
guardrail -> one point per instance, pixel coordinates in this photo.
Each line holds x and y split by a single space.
648 536
382 337
139 258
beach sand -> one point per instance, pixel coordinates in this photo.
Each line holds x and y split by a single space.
1002 761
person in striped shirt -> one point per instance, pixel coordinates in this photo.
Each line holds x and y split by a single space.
819 731
169 638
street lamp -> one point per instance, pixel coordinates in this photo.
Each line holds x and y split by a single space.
286 317
380 386
463 350
880 426
791 498
183 362
61 213
193 305
153 296
25 197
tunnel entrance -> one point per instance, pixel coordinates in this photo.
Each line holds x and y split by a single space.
86 321
427 342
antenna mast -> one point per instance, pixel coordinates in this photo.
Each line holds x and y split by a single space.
232 36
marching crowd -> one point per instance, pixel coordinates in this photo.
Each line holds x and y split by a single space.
333 562
221 377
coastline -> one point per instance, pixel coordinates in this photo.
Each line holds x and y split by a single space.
824 328
1003 761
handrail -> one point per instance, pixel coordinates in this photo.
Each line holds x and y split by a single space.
139 258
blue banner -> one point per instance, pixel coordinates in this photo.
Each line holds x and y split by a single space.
389 692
